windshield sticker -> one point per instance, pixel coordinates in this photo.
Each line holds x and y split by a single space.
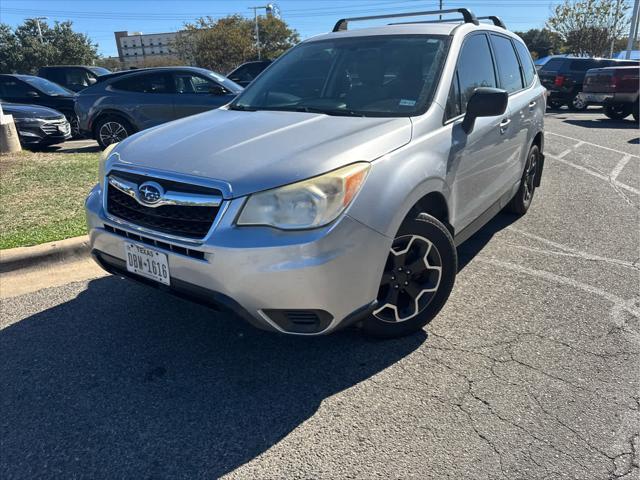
407 103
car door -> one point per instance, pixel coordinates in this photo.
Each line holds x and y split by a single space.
145 98
195 94
478 159
521 108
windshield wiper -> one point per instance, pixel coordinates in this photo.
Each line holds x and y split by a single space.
335 111
242 108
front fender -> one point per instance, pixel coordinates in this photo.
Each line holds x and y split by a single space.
396 182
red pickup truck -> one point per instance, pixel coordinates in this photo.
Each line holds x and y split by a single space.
616 88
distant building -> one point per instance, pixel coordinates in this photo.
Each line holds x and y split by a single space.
136 47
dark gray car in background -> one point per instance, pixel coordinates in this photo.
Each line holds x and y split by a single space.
119 105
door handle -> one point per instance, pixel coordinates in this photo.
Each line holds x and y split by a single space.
504 124
532 105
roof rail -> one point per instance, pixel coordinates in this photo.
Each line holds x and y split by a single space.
497 21
468 16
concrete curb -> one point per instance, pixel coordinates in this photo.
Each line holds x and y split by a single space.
43 255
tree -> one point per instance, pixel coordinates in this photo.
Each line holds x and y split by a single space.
590 27
225 43
22 50
541 43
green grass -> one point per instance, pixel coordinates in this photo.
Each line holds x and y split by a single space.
42 196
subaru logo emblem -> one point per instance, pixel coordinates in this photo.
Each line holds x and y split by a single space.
150 193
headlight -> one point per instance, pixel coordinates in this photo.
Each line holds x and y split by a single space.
308 204
104 156
26 120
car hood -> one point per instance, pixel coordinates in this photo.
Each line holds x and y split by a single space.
30 111
247 152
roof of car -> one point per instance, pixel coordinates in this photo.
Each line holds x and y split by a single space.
440 28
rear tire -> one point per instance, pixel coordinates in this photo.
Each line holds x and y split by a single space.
618 111
418 278
112 129
577 104
554 104
521 202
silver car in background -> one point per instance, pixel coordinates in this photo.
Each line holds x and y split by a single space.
334 190
122 103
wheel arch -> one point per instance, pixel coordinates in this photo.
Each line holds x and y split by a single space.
111 113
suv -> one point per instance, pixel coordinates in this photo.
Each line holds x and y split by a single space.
563 77
122 103
616 88
335 189
73 77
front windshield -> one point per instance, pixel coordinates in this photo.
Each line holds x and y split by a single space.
390 75
47 87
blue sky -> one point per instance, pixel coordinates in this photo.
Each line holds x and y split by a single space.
100 18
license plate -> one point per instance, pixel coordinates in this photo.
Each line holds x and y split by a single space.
147 262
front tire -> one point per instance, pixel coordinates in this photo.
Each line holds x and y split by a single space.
618 111
112 129
418 278
521 202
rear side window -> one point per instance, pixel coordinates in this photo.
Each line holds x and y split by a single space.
150 83
554 64
528 69
583 65
508 66
475 68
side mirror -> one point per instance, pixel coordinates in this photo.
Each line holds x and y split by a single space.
32 94
92 80
217 90
485 102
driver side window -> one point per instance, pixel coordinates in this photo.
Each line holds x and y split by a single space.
475 69
190 84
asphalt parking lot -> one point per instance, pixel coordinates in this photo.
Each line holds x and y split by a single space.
531 371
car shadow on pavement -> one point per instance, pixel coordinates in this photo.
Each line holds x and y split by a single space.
603 123
474 245
126 382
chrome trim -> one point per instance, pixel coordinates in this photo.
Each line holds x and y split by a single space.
168 198
224 205
222 186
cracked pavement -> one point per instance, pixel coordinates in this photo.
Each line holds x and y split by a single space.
531 371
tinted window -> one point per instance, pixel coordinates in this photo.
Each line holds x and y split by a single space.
584 65
508 66
187 83
378 76
554 64
12 88
475 68
150 83
528 69
99 70
46 86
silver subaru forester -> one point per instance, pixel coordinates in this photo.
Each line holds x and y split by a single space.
334 190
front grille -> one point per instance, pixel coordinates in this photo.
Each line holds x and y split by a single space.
182 221
52 127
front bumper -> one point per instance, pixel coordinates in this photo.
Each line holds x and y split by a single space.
262 273
43 133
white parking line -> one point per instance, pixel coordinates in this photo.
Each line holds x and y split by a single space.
619 167
606 178
582 142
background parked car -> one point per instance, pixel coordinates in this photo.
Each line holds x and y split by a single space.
563 78
36 125
116 107
614 87
34 90
245 73
73 77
